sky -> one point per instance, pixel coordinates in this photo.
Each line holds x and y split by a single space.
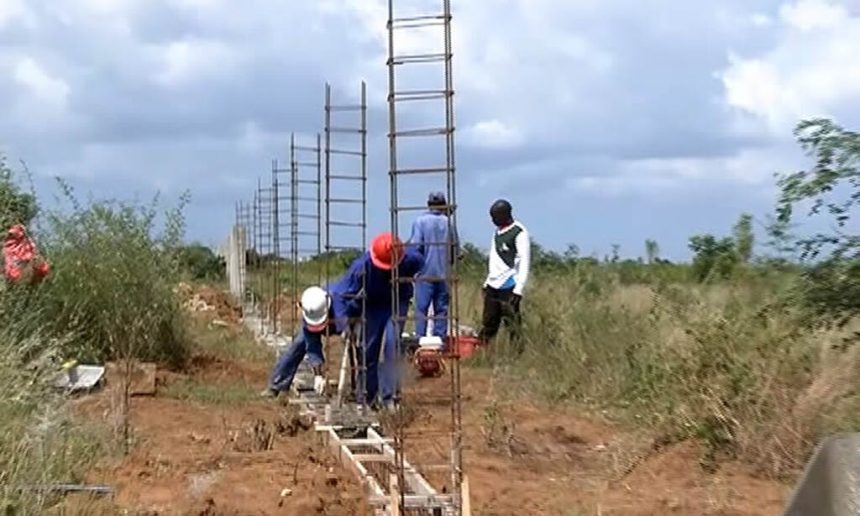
602 121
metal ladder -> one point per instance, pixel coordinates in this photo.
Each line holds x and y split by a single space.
438 171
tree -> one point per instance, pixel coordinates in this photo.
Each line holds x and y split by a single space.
831 188
744 237
714 258
616 253
652 251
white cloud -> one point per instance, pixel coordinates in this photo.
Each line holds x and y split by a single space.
10 10
761 20
41 84
751 169
808 73
806 15
493 134
189 60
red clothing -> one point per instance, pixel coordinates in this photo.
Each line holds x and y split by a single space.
19 250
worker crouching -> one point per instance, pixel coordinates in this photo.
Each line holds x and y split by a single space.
372 272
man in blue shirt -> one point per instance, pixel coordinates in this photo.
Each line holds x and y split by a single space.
372 273
430 233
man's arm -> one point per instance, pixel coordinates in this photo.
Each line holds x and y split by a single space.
416 239
351 285
489 257
524 251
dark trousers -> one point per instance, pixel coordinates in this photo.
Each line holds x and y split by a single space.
497 308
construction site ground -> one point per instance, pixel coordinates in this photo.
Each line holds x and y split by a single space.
205 444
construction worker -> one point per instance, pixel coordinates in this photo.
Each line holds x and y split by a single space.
508 272
317 317
429 232
386 252
372 272
21 255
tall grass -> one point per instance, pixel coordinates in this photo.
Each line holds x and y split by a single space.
40 442
732 363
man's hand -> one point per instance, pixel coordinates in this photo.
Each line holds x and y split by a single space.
515 301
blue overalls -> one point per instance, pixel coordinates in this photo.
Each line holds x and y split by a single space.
346 304
379 323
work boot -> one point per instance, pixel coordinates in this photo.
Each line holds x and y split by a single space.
269 393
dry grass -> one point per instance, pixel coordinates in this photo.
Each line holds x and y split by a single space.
729 364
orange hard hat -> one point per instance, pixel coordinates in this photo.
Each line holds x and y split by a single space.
385 251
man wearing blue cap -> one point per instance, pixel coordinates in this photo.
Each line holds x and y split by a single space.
430 232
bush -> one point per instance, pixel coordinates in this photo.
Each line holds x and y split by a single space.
112 287
201 263
16 206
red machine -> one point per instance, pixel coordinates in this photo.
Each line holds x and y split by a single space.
429 359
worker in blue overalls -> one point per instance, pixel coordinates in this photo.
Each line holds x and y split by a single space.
373 271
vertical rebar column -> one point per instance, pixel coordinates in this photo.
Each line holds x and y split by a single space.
284 229
257 253
276 251
305 167
294 232
265 200
345 187
443 175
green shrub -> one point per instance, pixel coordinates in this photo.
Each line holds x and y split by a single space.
16 206
201 263
113 280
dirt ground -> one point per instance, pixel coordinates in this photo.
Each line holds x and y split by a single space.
525 458
206 445
249 457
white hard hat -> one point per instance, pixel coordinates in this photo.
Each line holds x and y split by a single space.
315 304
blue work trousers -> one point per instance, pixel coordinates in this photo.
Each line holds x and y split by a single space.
381 329
431 293
304 343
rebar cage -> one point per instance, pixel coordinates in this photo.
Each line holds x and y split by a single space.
431 164
305 218
346 216
264 252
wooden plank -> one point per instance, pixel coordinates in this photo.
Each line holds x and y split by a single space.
465 501
416 501
372 457
395 495
347 457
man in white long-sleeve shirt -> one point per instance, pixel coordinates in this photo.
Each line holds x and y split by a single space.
510 253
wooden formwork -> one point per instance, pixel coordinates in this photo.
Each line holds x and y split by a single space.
356 439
